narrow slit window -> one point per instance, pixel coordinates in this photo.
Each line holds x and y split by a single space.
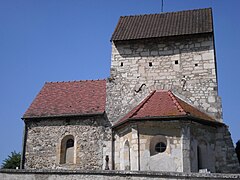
121 64
150 64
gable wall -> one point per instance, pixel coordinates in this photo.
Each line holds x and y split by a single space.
92 139
132 78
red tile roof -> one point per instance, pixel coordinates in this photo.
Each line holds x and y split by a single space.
69 98
164 24
163 104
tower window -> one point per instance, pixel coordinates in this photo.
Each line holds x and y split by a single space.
176 62
121 64
196 64
150 64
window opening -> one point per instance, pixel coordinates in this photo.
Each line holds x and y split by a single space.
176 62
67 150
127 164
70 143
121 64
150 64
160 147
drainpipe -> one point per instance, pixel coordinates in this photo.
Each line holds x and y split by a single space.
138 149
113 150
24 146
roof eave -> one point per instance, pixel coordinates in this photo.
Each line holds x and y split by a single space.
62 116
170 118
144 38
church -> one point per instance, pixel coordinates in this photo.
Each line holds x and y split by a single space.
159 110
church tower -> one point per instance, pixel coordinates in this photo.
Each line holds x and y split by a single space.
162 95
167 51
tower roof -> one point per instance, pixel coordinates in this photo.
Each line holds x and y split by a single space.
164 25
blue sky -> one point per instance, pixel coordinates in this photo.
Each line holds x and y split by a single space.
62 40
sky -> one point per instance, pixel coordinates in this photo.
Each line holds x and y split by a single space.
64 40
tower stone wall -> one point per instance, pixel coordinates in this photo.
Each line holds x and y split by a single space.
184 64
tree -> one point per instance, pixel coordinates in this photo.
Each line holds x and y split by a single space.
238 150
12 161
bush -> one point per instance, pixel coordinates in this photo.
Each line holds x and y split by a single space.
12 161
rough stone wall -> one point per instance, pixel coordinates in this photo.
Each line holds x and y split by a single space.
226 157
108 175
220 154
92 137
140 137
185 65
203 134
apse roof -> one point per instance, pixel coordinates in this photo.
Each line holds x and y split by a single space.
164 104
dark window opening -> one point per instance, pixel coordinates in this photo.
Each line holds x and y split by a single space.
176 62
196 64
160 147
67 150
70 143
150 64
121 63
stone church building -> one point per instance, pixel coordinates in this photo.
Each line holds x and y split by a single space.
158 111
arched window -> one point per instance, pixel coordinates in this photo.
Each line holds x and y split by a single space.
67 150
127 164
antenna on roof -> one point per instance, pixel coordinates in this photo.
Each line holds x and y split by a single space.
162 6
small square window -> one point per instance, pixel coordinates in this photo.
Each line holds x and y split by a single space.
150 64
196 64
176 62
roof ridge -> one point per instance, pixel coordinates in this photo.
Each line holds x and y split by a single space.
142 104
175 101
74 81
172 12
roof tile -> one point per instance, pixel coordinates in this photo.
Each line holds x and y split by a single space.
164 24
163 104
69 98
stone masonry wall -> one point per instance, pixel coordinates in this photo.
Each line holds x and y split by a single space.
220 154
185 65
203 135
149 133
92 136
226 157
107 175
